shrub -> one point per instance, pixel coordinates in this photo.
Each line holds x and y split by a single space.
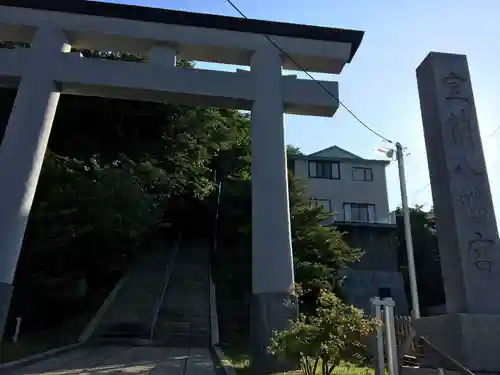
334 333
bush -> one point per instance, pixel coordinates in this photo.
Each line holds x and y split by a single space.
334 333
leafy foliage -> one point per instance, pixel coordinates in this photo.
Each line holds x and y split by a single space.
426 253
320 251
334 333
90 206
292 150
117 170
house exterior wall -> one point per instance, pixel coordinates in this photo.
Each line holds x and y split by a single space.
346 190
378 270
379 245
361 286
377 273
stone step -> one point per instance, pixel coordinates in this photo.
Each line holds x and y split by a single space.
192 273
182 340
187 324
172 302
183 319
167 330
190 291
411 361
119 341
407 370
125 329
193 296
180 304
193 281
136 300
178 315
182 277
183 315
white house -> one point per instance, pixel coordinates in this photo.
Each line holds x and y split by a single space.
355 189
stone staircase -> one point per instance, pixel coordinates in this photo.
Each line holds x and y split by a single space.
184 316
131 313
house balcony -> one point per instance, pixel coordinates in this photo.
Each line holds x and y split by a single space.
365 221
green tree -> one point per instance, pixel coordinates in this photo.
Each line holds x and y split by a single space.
320 251
292 150
88 213
426 253
117 169
335 332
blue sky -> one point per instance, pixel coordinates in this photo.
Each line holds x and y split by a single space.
380 85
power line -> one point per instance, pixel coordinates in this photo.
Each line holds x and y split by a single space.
421 189
497 129
231 3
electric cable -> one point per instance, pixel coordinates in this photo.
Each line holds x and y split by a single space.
231 3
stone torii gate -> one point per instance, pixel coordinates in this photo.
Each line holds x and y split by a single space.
48 68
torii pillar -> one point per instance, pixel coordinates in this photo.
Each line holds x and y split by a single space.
273 304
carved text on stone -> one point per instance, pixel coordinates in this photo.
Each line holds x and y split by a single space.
469 197
461 127
482 249
472 201
478 214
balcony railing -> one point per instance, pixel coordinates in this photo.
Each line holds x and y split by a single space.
389 220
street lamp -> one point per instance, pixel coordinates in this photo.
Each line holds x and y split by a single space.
407 226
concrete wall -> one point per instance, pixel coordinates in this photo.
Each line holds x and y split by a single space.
345 190
379 244
377 269
360 286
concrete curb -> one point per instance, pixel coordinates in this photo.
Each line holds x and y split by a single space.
37 357
90 328
225 364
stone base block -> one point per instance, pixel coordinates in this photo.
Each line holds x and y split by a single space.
471 339
269 312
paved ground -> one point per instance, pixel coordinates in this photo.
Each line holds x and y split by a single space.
114 360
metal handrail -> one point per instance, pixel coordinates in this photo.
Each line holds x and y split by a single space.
218 186
214 328
457 365
164 285
405 348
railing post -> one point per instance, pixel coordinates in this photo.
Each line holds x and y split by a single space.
379 337
390 336
15 339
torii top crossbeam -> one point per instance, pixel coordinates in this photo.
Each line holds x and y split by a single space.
341 44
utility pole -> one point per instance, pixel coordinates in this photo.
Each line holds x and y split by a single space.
407 228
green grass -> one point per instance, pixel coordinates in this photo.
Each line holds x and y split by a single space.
239 359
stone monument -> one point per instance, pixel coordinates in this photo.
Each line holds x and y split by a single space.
466 227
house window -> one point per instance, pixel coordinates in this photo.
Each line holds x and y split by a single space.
326 204
362 174
360 212
324 169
